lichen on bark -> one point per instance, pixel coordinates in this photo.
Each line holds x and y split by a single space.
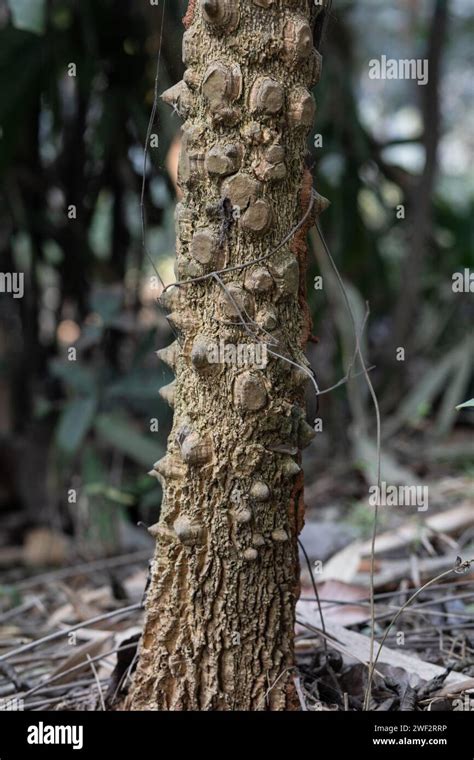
220 611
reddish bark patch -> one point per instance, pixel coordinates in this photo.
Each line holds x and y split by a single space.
301 511
292 697
300 248
297 510
188 18
297 505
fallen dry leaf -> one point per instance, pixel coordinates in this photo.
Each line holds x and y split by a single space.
466 685
358 646
338 609
343 565
450 521
43 546
78 656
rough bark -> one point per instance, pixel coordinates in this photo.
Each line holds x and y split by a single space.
220 610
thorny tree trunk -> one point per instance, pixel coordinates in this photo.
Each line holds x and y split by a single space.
220 610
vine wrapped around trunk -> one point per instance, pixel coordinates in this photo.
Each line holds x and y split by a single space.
220 610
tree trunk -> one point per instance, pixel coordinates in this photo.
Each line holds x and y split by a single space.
220 610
